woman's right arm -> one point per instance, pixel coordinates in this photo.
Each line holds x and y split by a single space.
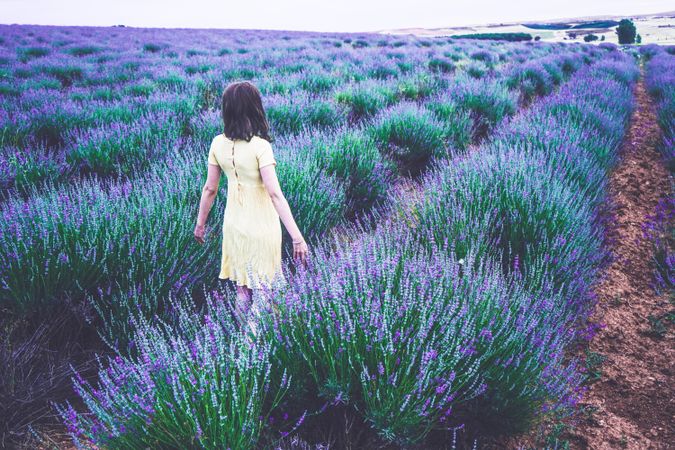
269 178
209 192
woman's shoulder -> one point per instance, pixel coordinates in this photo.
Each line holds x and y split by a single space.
219 139
261 145
259 141
223 140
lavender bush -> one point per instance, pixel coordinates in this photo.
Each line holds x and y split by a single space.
513 201
407 336
196 384
659 230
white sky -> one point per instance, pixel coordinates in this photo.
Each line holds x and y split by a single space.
317 15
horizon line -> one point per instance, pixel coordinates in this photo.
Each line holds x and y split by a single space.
379 31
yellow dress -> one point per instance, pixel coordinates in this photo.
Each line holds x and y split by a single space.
251 225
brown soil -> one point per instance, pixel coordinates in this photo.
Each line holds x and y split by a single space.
632 405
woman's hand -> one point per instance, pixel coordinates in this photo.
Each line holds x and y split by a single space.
300 250
199 233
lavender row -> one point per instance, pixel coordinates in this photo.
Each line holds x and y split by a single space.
346 170
387 326
539 183
660 81
58 131
659 229
530 202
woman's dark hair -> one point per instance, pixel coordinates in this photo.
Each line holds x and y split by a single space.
243 113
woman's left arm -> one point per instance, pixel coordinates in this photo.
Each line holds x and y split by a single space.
208 196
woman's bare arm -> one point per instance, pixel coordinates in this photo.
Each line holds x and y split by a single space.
269 177
209 192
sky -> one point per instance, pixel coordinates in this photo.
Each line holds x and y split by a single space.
308 15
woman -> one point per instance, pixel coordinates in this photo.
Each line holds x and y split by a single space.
251 250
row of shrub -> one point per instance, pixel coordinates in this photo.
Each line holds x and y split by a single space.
128 149
44 132
659 229
99 53
660 82
459 309
539 183
540 76
523 212
328 175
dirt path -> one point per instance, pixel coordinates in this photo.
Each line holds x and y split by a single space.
632 405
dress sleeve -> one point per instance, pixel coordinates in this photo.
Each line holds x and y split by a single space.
265 155
212 155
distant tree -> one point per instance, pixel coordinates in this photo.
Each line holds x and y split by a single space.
590 37
602 38
626 31
536 38
638 39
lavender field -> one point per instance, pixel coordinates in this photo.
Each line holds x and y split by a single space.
451 191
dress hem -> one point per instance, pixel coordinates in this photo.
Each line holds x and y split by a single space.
261 283
234 281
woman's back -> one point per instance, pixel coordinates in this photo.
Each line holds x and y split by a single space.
240 160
